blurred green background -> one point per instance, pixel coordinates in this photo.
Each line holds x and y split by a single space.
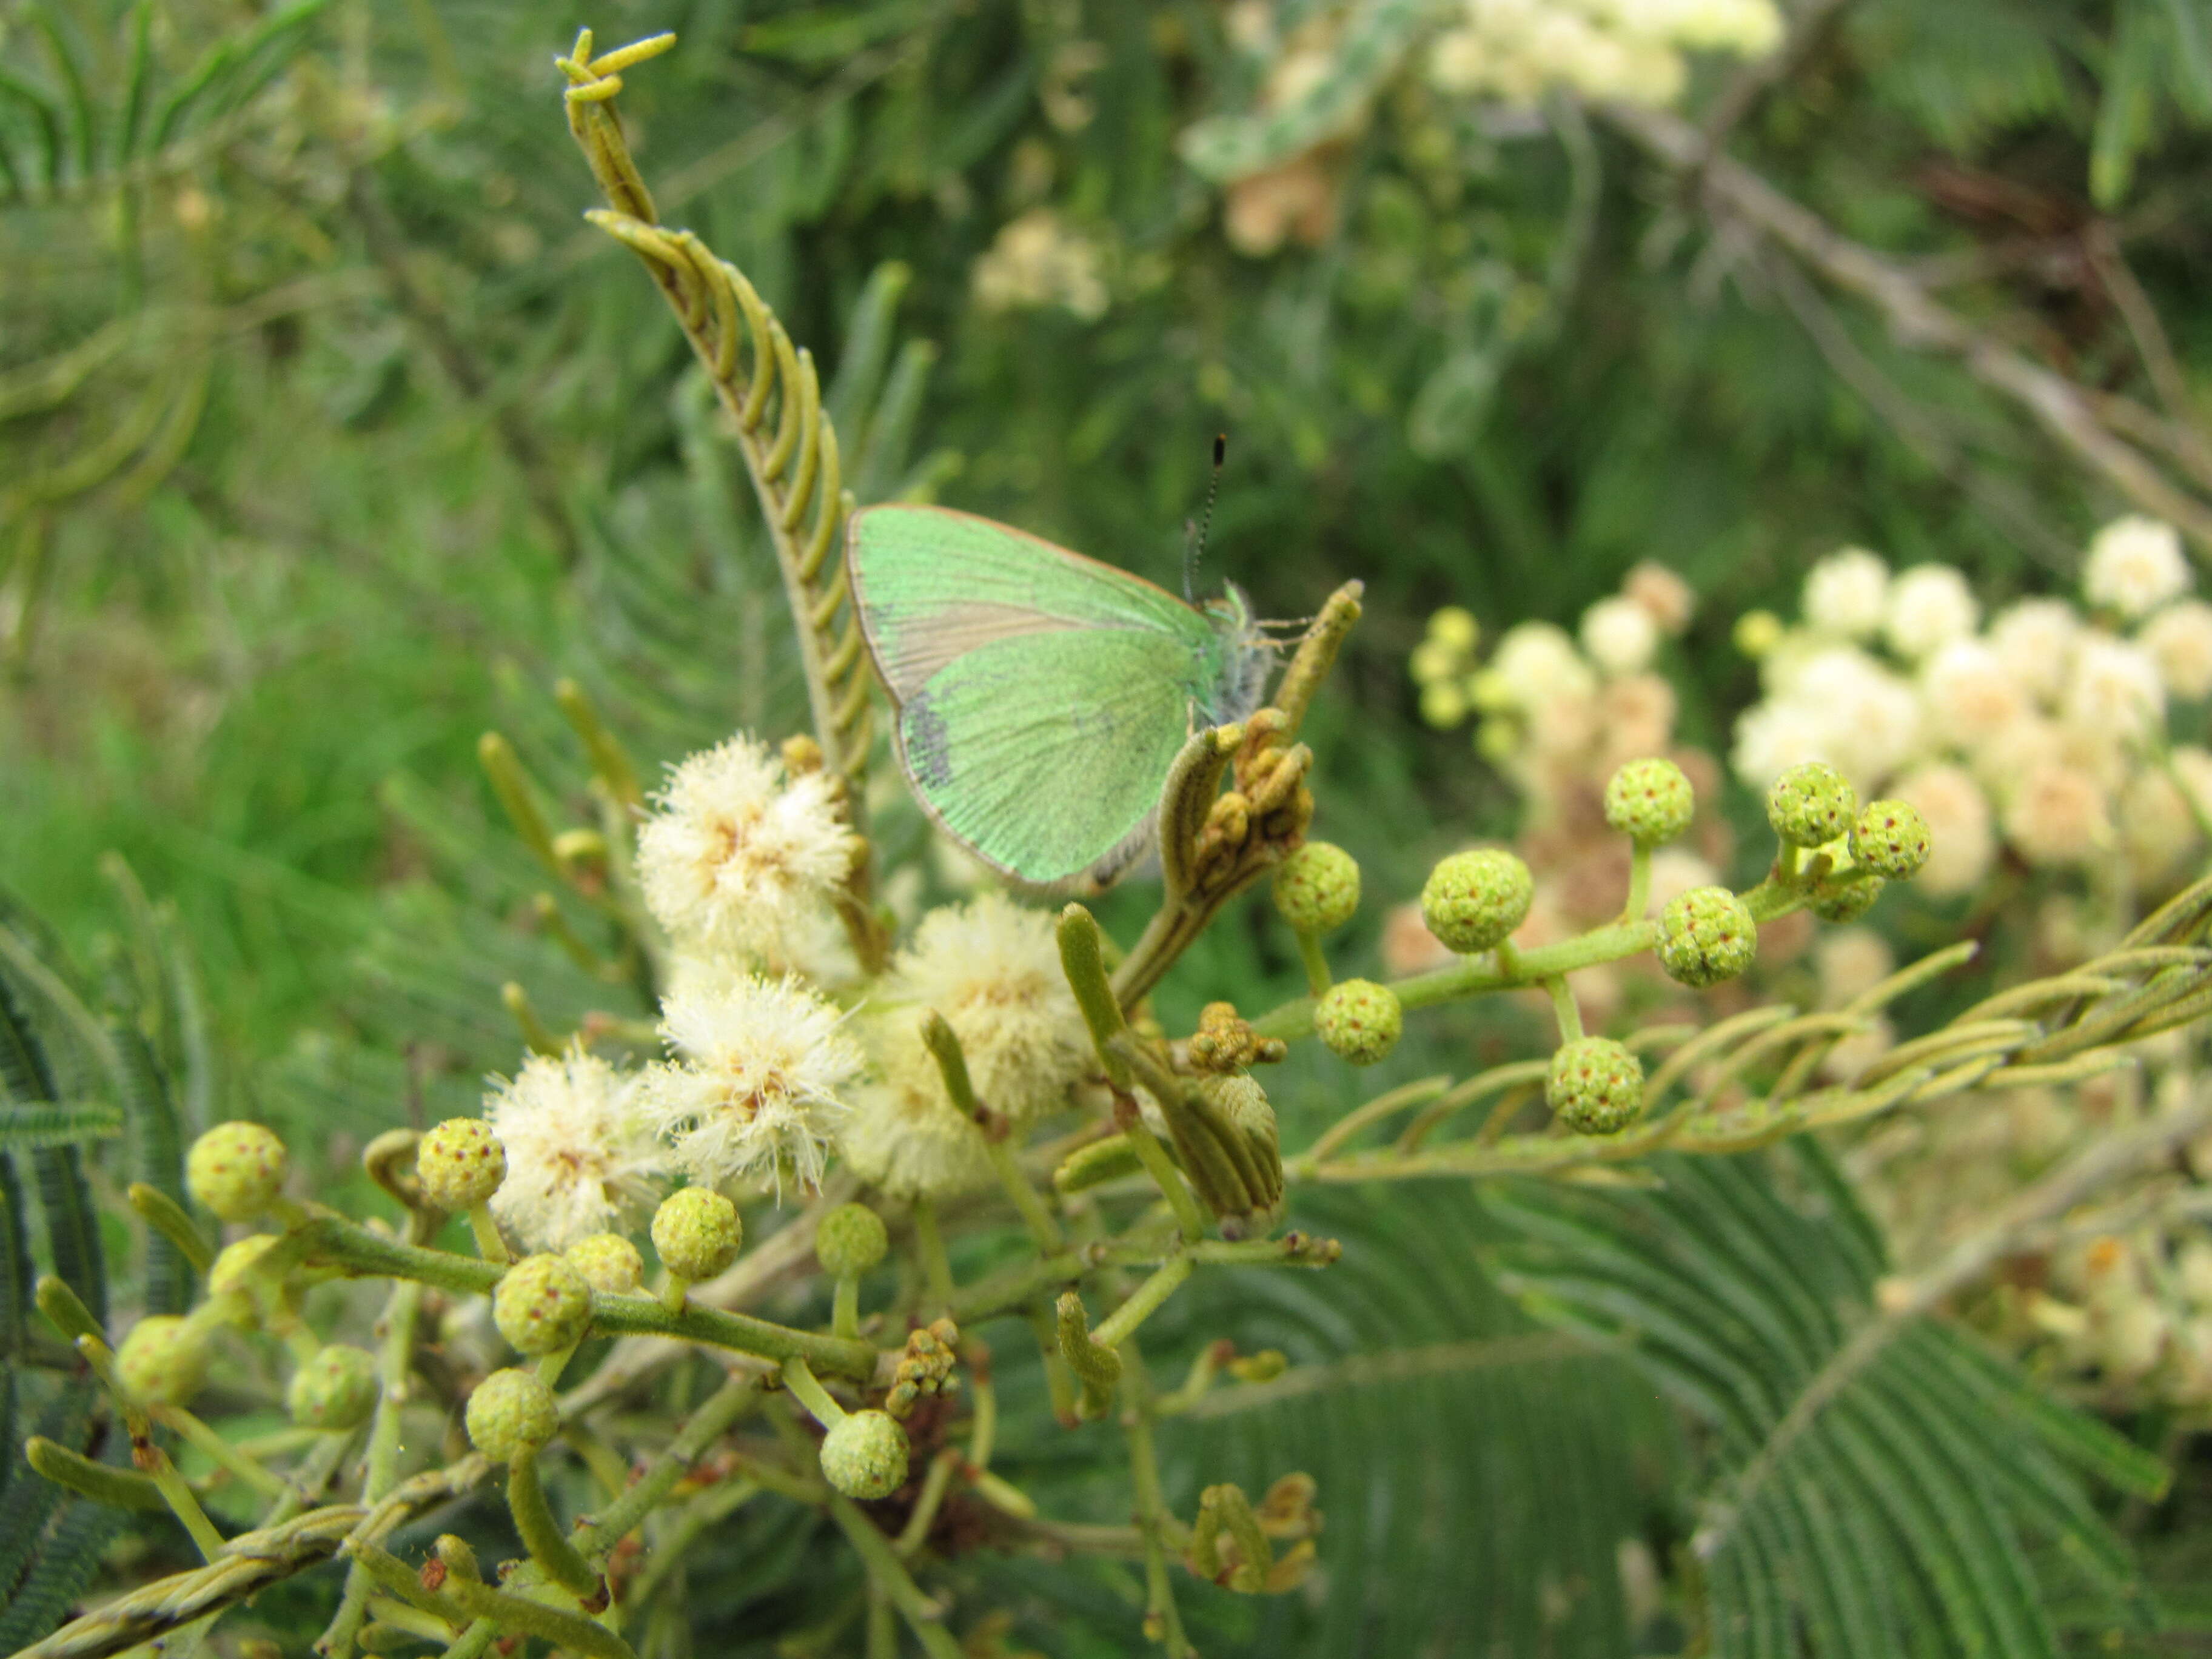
330 436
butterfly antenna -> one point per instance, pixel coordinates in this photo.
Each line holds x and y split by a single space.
1193 546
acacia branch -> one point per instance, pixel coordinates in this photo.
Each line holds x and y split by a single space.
1731 191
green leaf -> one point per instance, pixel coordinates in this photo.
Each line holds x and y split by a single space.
22 1127
1873 1483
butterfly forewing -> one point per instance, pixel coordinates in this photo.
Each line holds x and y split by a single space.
1041 695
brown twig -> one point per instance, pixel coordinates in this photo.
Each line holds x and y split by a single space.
1916 320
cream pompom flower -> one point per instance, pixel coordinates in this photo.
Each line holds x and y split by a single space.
2034 640
991 969
1535 663
1847 594
736 853
1620 635
1930 605
581 1158
2136 565
1969 694
759 1082
904 1137
2058 815
2179 640
2114 688
1961 835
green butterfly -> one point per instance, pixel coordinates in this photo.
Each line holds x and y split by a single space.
1042 696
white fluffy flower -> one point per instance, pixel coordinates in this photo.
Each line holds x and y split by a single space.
1969 695
2034 640
1961 840
759 1081
2058 815
1930 605
1846 594
581 1158
735 854
1661 593
1535 663
904 1137
1841 707
1037 261
992 969
2136 565
1620 635
2179 640
2114 688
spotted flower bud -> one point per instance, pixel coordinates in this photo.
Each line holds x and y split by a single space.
1811 805
1595 1087
1706 935
697 1232
864 1454
460 1164
236 1170
543 1306
1471 901
850 1240
1317 888
1359 1020
1649 801
609 1262
510 1412
164 1360
335 1389
1844 901
1891 838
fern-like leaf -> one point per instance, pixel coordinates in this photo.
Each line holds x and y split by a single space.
1875 1482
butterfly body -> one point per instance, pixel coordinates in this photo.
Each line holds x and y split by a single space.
1041 695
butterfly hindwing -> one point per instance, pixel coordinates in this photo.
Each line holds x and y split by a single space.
1043 696
1043 786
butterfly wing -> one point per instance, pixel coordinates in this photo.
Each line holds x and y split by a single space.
1043 696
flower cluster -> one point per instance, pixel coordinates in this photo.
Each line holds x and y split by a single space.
1559 714
2040 732
1514 52
1037 262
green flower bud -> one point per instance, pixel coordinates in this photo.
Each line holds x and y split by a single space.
460 1164
1812 804
164 1360
850 1240
697 1232
1317 888
1844 901
1706 935
609 1263
864 1454
1595 1087
236 1170
1891 838
1650 801
335 1389
541 1305
1359 1020
510 1412
1474 900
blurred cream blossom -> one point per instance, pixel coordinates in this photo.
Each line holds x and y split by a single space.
1930 605
2136 565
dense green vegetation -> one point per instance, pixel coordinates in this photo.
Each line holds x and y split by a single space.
331 437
